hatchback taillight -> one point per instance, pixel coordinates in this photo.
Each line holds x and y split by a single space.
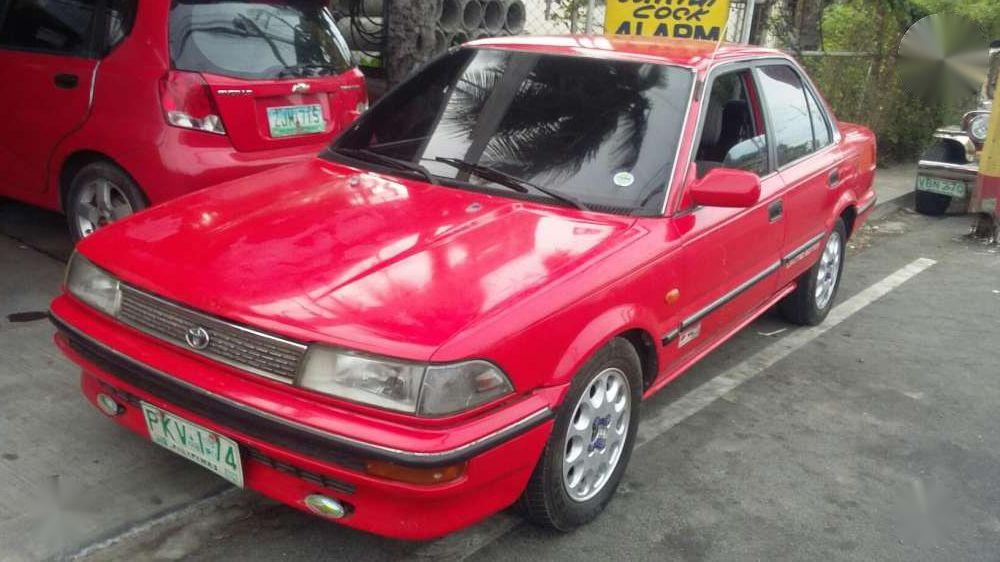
187 102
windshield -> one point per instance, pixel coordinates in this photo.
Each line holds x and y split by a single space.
602 132
251 39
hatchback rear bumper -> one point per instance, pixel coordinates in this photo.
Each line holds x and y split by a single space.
287 461
186 161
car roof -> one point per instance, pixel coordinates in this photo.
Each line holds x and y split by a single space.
690 53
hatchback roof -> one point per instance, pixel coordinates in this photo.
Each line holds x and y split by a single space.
683 52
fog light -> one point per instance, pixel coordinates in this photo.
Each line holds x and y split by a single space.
324 506
108 405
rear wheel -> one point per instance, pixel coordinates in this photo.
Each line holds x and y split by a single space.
816 289
100 193
591 441
932 204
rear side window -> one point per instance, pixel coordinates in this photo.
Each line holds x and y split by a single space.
786 100
821 129
50 26
250 39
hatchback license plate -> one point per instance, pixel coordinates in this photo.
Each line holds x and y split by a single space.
294 120
215 452
954 188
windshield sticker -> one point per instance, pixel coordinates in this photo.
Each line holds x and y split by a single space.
623 179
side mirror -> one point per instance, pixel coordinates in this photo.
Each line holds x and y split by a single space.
726 187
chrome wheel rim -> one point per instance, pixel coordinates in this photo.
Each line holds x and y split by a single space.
596 434
100 202
829 268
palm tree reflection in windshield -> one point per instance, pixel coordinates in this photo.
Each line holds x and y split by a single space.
549 116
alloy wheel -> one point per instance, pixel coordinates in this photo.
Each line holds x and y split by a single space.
99 203
596 434
828 271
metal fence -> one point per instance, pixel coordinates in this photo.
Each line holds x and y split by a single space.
458 21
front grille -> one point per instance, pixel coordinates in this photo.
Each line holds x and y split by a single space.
246 349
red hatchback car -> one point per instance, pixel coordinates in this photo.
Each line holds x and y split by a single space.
113 105
466 298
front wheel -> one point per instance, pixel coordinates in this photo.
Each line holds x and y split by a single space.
815 290
99 194
591 441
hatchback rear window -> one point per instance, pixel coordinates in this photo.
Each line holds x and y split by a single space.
251 39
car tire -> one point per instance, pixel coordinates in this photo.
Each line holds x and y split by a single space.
816 289
558 495
932 204
100 193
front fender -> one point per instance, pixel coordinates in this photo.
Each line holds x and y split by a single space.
598 332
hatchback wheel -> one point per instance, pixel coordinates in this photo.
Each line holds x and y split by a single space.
591 441
813 297
100 193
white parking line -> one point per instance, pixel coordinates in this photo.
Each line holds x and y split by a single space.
465 543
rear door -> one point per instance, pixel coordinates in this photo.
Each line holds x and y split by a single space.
279 72
808 161
47 68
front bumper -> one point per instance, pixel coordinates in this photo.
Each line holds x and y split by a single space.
287 460
947 170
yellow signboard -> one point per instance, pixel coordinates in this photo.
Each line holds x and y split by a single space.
691 19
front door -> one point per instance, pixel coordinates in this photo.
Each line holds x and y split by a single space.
46 71
730 255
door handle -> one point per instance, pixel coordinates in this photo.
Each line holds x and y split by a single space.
66 81
775 210
833 180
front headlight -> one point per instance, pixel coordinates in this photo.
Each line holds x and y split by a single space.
415 388
92 285
979 127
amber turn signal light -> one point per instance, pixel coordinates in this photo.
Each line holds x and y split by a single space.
436 475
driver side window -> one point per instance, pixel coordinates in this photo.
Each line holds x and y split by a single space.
732 134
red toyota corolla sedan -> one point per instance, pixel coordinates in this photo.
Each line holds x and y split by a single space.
115 105
464 300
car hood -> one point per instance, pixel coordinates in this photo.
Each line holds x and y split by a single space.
318 251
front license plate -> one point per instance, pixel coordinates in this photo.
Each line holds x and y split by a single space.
294 120
215 452
954 188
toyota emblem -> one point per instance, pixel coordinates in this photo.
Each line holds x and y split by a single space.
197 337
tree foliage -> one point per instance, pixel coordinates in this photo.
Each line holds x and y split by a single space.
864 87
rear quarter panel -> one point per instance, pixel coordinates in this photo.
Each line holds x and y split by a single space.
860 155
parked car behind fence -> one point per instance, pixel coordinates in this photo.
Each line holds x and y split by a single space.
111 106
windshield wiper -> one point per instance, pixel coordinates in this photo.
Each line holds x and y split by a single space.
389 161
513 182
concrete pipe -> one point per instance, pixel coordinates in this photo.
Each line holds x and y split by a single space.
451 16
472 15
514 23
458 38
372 7
479 34
367 39
494 16
438 9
